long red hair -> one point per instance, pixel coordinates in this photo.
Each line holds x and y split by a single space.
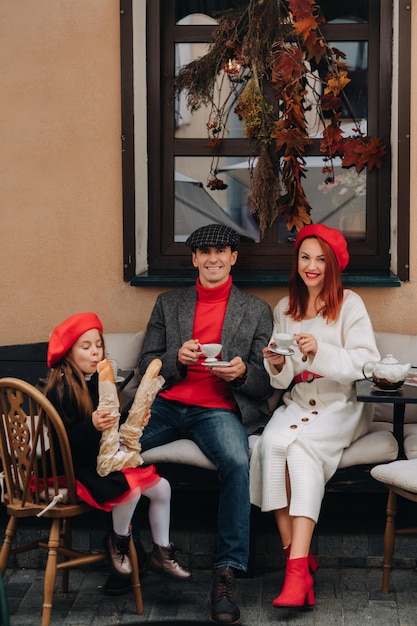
329 300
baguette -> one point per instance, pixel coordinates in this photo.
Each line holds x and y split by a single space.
108 401
153 369
146 392
105 371
120 448
151 382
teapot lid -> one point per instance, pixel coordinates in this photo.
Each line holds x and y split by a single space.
389 359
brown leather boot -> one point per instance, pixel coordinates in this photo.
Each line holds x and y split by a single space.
224 609
162 559
117 548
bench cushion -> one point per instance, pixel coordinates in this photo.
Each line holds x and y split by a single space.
375 447
183 451
378 446
410 441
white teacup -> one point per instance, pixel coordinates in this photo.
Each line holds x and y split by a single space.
283 340
211 350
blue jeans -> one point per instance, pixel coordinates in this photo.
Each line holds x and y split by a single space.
221 436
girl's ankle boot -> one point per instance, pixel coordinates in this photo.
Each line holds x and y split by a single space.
117 548
162 559
312 561
297 590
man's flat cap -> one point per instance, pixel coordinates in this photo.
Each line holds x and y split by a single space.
213 235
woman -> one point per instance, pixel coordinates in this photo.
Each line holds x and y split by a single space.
302 444
75 348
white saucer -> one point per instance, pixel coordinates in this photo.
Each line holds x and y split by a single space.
216 364
284 351
119 379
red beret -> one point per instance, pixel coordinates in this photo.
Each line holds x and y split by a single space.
66 334
332 236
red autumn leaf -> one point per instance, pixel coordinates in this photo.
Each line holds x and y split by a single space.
352 154
294 111
293 168
363 152
287 65
292 140
294 207
332 138
316 49
305 16
305 25
329 102
373 153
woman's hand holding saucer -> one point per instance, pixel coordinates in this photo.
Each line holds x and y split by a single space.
274 359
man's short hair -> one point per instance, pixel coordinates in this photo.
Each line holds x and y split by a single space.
213 235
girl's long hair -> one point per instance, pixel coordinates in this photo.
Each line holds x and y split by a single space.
329 300
67 386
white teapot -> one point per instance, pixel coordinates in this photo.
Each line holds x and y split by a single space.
387 374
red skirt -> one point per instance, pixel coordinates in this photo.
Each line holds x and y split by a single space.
144 478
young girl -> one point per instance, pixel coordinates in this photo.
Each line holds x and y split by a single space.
75 348
302 444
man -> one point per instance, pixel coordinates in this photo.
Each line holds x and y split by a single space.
217 407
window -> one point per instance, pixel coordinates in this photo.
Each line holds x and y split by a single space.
373 213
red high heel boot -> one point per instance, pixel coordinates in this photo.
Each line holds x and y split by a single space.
297 590
312 561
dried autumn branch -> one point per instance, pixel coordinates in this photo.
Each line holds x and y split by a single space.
278 62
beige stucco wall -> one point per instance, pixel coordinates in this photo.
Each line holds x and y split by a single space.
61 211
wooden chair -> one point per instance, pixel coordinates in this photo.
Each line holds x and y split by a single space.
400 478
30 433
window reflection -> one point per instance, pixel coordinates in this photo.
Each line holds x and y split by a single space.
355 105
210 8
341 204
345 11
196 205
331 9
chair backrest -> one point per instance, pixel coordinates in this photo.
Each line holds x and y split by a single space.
34 448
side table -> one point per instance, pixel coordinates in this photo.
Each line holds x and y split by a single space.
407 394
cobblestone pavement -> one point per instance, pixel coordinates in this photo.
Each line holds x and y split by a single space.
348 544
344 596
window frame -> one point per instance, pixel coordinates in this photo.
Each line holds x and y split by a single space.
371 256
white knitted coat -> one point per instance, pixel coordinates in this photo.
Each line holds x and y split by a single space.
318 419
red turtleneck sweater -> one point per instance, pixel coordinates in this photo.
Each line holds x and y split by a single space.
201 387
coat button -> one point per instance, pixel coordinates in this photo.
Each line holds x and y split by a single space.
304 419
293 426
312 402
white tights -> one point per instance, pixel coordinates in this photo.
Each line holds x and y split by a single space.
159 512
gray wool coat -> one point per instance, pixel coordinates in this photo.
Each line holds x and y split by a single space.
247 328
